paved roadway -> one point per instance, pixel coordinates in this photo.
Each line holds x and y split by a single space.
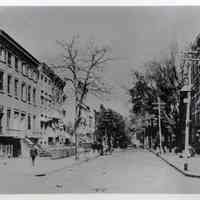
132 171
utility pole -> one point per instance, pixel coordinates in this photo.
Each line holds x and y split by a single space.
159 124
76 92
158 107
188 101
187 124
75 129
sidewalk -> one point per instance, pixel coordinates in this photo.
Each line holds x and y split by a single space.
43 166
178 163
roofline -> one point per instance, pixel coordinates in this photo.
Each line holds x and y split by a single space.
18 46
56 76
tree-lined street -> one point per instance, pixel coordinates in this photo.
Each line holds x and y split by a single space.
129 171
100 100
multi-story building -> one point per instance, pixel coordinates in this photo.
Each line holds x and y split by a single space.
30 97
52 112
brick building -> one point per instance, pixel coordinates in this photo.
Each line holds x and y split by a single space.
28 107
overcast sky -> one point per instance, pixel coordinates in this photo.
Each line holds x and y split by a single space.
135 34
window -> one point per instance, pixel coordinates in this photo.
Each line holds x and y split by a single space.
35 76
16 64
34 122
41 125
45 80
23 121
16 119
29 122
8 118
2 54
34 96
16 87
1 80
42 100
32 74
23 92
9 58
9 84
30 71
24 68
49 103
42 77
29 94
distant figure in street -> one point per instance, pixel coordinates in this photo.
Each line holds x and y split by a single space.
33 154
100 148
94 147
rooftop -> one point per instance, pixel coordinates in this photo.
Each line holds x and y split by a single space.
8 38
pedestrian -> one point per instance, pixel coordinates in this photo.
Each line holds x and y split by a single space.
33 154
100 148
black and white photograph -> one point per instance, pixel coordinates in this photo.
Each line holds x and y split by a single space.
99 100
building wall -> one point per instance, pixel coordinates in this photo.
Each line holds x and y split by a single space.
26 99
50 108
16 103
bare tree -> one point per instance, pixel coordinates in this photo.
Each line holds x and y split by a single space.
83 68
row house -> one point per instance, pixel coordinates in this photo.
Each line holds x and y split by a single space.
27 89
52 111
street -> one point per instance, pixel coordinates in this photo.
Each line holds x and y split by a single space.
130 171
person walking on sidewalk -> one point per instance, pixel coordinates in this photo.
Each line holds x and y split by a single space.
33 154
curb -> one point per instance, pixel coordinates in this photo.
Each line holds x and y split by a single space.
175 167
65 167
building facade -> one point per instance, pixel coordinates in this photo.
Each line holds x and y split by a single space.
51 110
27 90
